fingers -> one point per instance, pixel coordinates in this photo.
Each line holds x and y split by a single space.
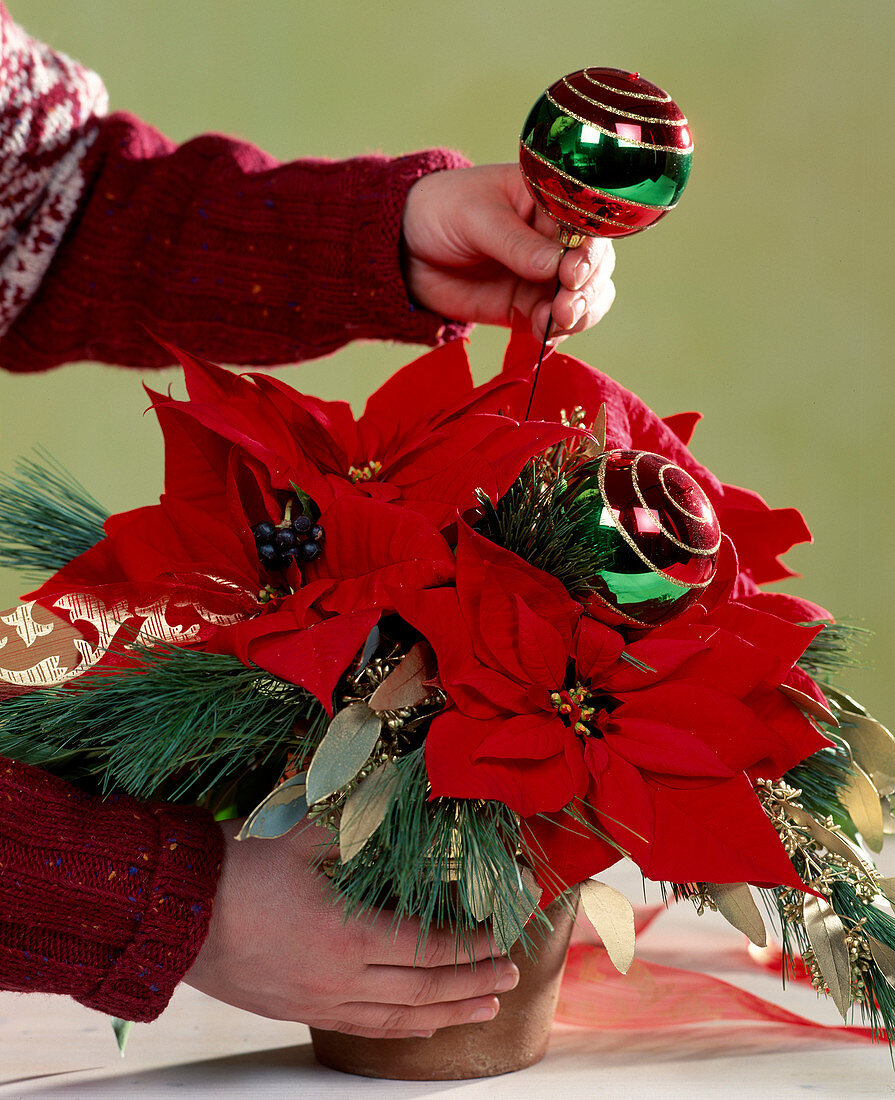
586 278
390 1020
387 944
586 291
404 985
594 257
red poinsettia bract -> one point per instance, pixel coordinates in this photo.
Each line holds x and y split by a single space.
235 454
657 748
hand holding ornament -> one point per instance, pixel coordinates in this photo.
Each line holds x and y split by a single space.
477 248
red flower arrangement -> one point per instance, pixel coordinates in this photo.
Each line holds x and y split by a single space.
371 570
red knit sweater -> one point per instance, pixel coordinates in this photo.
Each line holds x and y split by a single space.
108 230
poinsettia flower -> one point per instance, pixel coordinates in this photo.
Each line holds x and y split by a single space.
178 569
189 566
374 552
427 438
658 747
504 637
761 534
673 745
294 642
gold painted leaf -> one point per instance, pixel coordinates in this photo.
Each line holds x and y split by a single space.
872 745
826 935
450 870
600 429
833 841
861 802
513 908
479 889
121 1030
369 650
809 705
407 685
279 812
886 887
594 447
612 916
843 701
365 808
737 906
884 957
345 748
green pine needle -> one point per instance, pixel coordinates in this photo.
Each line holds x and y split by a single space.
540 519
820 778
836 647
176 725
877 1007
429 856
47 517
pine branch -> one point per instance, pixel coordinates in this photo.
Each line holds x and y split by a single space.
47 517
175 725
836 647
542 519
428 858
820 778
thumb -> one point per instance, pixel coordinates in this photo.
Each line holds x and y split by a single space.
498 232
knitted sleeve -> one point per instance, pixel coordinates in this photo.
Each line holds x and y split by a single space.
107 901
109 231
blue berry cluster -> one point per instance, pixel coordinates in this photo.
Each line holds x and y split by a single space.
301 539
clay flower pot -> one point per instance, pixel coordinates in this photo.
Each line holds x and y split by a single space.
517 1037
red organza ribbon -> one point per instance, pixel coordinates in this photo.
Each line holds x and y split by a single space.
653 996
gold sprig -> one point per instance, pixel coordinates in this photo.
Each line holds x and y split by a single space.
837 948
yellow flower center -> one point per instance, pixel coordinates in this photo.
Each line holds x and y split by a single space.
570 706
365 473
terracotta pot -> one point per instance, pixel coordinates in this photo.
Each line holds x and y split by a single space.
517 1037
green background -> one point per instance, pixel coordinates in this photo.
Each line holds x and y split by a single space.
764 300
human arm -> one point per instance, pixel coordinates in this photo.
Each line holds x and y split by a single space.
113 902
109 231
107 901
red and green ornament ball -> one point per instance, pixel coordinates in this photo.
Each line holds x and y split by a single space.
605 153
655 534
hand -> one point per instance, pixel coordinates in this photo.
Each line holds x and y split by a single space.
277 946
477 248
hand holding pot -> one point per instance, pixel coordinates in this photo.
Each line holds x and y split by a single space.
277 946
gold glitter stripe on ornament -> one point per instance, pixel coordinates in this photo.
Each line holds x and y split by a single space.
663 98
594 190
586 213
604 218
668 534
623 114
601 481
617 611
617 137
680 507
671 538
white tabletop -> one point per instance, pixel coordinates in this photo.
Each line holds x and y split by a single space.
50 1046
